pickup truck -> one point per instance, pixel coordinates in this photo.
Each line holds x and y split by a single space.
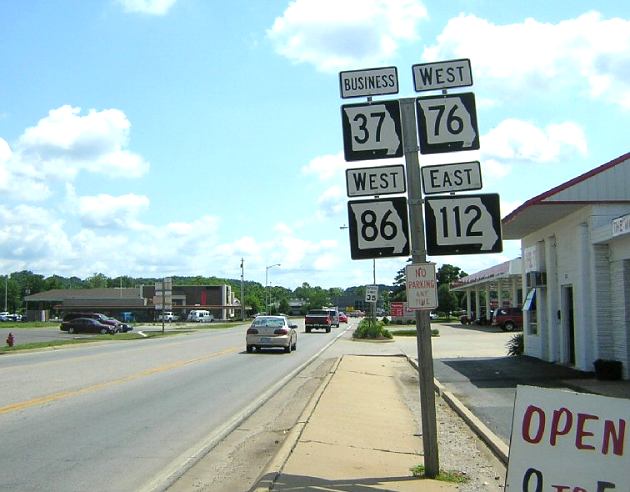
318 319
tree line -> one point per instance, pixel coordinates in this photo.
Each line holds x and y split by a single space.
17 285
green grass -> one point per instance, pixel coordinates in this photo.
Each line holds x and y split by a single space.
18 325
412 333
77 340
444 475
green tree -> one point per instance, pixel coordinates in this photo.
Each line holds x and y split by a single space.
399 294
97 280
449 273
447 300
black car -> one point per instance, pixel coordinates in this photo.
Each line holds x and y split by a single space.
87 325
119 326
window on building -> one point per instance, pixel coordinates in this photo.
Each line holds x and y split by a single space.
530 306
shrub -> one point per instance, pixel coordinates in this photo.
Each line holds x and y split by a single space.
372 329
515 345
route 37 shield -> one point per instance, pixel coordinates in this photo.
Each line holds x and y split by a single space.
371 130
378 228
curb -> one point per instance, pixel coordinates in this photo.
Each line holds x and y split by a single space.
274 468
496 445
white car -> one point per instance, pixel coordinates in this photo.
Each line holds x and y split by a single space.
271 332
200 316
168 316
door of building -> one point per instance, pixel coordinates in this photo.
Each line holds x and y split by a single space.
568 325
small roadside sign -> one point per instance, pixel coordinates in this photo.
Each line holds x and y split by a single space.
447 123
442 75
368 82
371 293
421 286
378 228
463 224
448 178
371 131
382 180
396 309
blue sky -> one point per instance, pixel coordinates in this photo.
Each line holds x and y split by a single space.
175 137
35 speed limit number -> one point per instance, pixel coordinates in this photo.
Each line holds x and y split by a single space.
378 228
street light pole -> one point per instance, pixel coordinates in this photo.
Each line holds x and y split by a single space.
267 285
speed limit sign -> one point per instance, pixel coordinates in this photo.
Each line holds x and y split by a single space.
371 131
378 228
371 293
447 123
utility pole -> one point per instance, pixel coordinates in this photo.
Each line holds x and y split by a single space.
242 289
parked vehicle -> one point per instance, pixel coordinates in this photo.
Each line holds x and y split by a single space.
508 319
433 315
108 320
318 319
168 316
200 316
271 332
87 325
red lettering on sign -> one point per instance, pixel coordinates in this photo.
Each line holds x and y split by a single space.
581 433
527 423
555 424
617 437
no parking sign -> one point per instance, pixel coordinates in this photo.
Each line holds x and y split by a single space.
421 286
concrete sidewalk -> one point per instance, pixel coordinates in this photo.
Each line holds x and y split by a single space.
356 434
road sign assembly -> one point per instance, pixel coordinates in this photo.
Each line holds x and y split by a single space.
447 123
378 228
371 293
449 178
371 130
421 286
442 75
382 180
368 82
463 224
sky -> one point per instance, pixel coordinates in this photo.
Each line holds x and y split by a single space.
152 138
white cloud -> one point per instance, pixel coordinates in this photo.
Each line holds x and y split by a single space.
326 166
588 52
332 201
151 7
64 143
518 140
351 34
111 211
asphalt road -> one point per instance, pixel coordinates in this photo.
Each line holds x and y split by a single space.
124 414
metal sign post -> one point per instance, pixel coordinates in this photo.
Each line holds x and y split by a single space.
423 322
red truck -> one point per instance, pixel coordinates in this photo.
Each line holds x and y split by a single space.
318 319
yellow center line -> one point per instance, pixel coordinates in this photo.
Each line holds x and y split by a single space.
90 389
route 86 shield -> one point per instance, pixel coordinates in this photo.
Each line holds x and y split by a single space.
378 228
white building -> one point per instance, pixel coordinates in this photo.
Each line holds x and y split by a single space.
575 245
